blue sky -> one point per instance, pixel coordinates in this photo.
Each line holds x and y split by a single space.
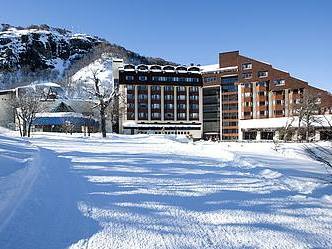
293 35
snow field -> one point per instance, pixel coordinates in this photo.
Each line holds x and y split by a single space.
165 192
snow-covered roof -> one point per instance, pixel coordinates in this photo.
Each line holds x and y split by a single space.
158 68
281 122
209 68
216 68
59 114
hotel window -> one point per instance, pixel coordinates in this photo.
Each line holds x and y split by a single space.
155 88
155 78
247 75
247 104
193 97
130 115
155 96
155 106
142 115
181 88
130 96
155 115
280 82
246 66
169 106
181 97
193 115
262 74
247 95
142 96
129 78
182 80
143 106
210 79
261 93
230 115
262 103
278 112
169 115
297 101
181 115
142 88
130 106
194 106
130 87
169 88
262 83
176 79
229 88
193 89
169 97
142 78
182 106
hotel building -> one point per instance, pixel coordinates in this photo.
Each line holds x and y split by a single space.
244 98
161 100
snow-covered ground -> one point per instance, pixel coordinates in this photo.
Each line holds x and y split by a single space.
161 192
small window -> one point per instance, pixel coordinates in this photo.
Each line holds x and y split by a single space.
263 84
155 96
181 115
130 87
155 115
280 82
181 89
142 88
246 66
169 97
169 88
155 106
142 78
155 88
262 74
129 78
247 95
247 75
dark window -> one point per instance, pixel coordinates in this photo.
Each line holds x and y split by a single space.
129 78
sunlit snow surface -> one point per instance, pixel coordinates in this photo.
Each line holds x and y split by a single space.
159 192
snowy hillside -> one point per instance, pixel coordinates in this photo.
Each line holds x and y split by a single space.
47 47
82 81
46 53
164 192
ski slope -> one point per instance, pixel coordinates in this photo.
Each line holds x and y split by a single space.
164 192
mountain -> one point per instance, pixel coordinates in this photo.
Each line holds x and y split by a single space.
43 52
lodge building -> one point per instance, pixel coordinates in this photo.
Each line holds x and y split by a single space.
161 99
244 98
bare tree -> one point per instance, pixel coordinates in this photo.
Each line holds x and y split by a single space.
307 111
326 124
26 106
105 96
285 131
